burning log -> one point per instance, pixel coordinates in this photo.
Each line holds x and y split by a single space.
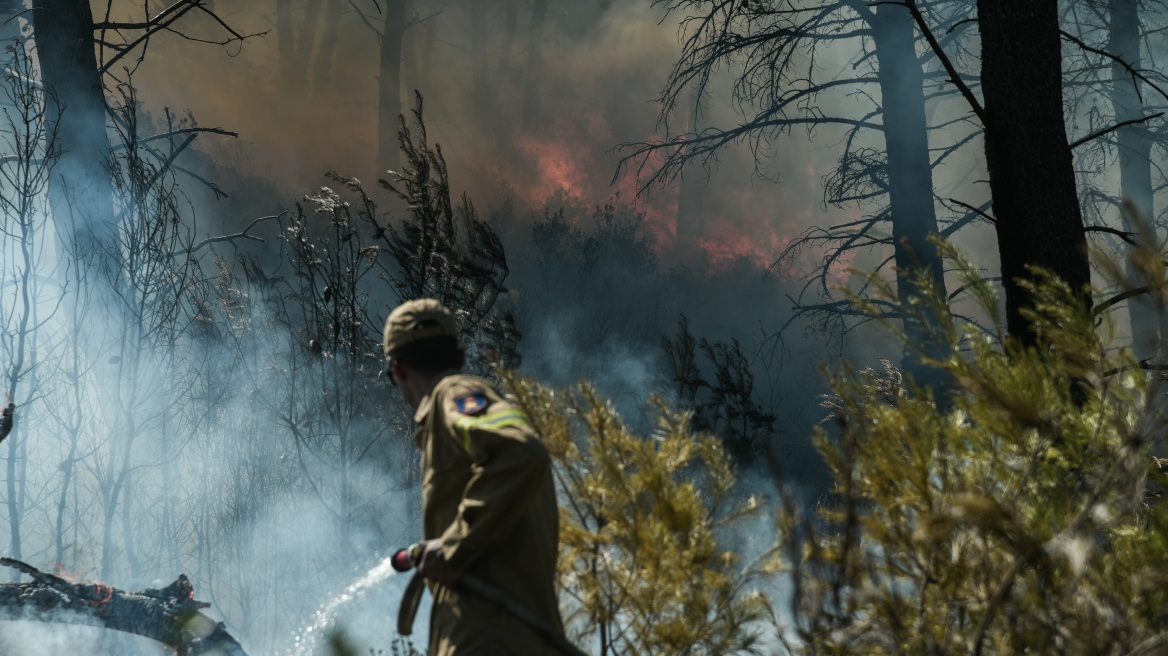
170 616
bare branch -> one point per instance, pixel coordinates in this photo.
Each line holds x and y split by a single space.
1132 70
244 234
954 76
975 210
163 22
1131 121
1128 237
175 133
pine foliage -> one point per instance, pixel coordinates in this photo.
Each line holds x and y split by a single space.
643 567
1021 518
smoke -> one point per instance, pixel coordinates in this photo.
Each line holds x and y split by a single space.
212 451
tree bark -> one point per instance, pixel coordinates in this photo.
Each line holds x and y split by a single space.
1032 181
80 189
531 87
389 105
1135 167
909 173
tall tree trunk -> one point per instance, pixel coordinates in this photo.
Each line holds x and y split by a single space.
410 55
306 41
389 104
503 72
910 179
285 40
1032 180
691 192
482 84
80 189
323 63
531 86
1135 165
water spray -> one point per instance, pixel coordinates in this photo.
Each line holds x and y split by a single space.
403 560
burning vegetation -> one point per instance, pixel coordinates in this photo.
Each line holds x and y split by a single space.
170 616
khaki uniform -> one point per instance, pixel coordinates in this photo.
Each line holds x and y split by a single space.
487 491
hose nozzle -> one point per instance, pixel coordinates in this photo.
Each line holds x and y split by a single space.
403 560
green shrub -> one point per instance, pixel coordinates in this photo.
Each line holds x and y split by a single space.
642 568
1019 517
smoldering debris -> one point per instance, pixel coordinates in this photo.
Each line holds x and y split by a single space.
170 615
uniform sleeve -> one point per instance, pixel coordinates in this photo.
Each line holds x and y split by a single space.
509 468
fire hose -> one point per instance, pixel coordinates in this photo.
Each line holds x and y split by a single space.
406 559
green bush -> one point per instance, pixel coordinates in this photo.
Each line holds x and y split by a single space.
1019 515
642 569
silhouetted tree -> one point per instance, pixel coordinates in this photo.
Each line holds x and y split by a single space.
1036 208
534 71
778 87
389 106
80 191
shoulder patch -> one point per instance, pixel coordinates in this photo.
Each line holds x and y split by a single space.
471 403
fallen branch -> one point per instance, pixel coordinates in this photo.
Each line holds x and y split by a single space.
170 616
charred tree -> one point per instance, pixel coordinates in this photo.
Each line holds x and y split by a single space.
296 40
389 106
778 89
534 71
80 189
323 63
443 250
482 82
1135 163
909 177
170 615
1036 207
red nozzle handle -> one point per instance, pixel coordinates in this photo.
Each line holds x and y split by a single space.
403 559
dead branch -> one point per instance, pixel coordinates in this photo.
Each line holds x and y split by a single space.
162 22
170 616
975 210
175 133
1128 237
1132 70
239 235
954 76
1131 121
1102 306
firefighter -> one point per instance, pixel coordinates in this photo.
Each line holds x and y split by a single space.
488 498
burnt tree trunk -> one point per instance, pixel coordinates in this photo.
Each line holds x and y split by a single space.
534 73
80 189
1135 165
389 105
323 64
482 82
510 24
285 39
170 616
1032 181
909 174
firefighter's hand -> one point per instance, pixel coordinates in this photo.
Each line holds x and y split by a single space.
433 564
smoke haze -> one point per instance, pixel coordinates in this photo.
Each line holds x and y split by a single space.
213 451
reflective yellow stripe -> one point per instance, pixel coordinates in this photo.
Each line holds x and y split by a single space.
502 419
